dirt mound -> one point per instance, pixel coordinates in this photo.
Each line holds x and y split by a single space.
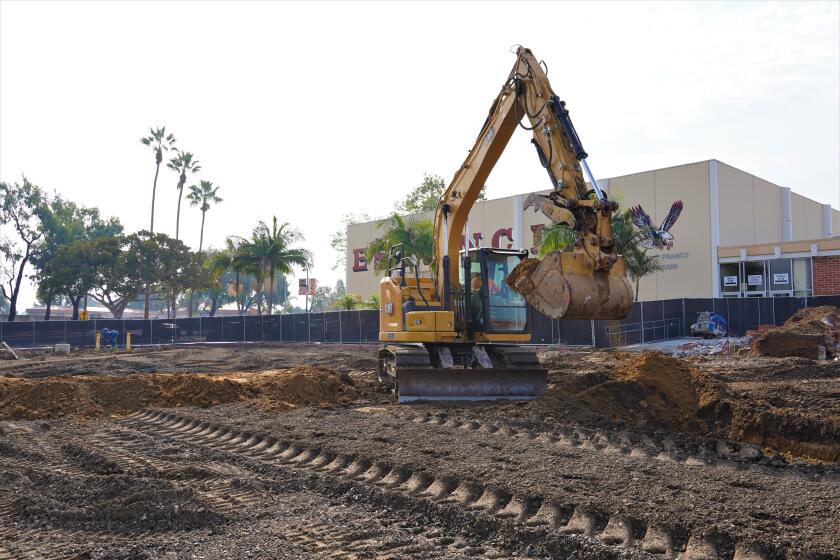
802 334
660 391
302 385
85 396
654 387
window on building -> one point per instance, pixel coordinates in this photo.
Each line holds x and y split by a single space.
730 279
780 277
802 286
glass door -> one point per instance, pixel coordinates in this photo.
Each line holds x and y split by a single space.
754 275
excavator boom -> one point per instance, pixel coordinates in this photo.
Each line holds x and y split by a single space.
588 282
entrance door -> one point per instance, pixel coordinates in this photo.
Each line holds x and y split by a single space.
755 279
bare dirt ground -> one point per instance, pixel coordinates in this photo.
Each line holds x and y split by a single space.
294 451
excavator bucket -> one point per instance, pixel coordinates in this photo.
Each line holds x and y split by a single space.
566 285
499 372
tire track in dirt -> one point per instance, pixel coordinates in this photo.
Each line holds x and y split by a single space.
529 511
318 536
711 453
26 543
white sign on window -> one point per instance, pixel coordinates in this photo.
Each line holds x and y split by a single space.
781 278
730 280
755 279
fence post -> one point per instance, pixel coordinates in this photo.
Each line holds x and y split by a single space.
243 328
33 334
642 320
340 339
592 323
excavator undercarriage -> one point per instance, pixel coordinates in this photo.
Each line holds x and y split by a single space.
462 372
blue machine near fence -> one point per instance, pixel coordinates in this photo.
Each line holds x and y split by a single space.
110 337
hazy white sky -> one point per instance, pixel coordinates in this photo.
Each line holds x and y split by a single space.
312 110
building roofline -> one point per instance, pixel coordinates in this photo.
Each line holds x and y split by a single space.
706 161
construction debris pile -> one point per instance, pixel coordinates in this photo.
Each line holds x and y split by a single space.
813 332
725 346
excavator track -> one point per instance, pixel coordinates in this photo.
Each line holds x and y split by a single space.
462 372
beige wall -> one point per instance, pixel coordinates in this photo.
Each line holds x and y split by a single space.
749 210
687 267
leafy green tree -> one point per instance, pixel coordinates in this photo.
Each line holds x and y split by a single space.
64 222
416 237
372 302
121 272
182 163
271 250
347 302
72 271
19 206
425 196
338 239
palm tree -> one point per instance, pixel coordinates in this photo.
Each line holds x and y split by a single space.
182 163
556 237
416 237
347 302
628 243
271 248
559 237
160 142
232 257
203 196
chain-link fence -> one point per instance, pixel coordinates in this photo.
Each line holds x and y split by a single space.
648 321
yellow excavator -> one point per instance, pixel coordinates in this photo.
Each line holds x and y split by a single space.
460 334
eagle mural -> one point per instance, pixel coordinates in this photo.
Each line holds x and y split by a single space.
651 237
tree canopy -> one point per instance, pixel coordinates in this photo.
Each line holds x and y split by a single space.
425 196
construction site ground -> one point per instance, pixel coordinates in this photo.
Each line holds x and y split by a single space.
296 451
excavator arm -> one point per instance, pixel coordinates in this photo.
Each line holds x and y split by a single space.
590 280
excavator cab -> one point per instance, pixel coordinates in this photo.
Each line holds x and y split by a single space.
490 306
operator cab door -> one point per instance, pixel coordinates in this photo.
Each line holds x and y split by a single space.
493 306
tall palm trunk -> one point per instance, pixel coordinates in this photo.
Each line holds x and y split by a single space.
271 290
158 159
238 297
178 214
201 239
200 246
